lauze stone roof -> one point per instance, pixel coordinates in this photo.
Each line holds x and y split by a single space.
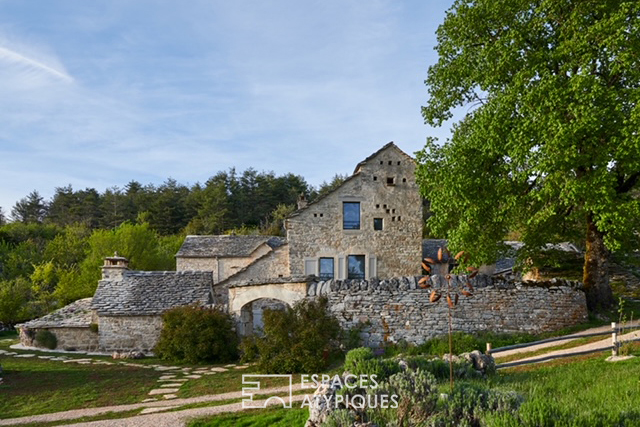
225 246
141 293
75 315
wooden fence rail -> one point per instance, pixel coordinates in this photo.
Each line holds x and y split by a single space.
614 347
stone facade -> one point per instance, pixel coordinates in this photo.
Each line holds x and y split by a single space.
398 309
119 333
274 264
68 338
384 193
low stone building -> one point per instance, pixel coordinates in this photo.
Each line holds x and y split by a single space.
125 311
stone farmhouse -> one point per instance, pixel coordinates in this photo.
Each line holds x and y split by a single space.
360 245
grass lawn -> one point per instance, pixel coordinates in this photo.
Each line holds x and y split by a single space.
35 386
276 417
582 391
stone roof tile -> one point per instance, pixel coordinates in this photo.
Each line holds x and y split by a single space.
142 293
75 315
225 246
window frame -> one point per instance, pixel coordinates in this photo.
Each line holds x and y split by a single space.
363 276
379 221
351 225
333 268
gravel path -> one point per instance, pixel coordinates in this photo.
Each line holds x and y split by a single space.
78 413
600 344
178 418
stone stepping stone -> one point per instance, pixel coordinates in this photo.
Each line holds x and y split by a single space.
3 351
156 409
162 391
174 380
45 357
200 372
25 355
84 363
172 385
58 359
102 362
242 367
151 399
193 377
209 373
229 366
170 396
219 370
78 360
166 368
167 377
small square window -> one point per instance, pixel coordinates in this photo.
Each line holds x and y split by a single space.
377 206
393 211
321 215
398 218
391 180
398 163
375 178
381 162
404 179
388 211
389 162
393 218
384 206
315 215
377 223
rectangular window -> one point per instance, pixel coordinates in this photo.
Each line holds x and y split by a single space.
326 268
351 215
377 223
355 267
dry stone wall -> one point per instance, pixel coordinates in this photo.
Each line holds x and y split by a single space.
397 309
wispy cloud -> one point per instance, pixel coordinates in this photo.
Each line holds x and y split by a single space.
30 64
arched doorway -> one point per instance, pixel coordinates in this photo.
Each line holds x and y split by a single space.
251 314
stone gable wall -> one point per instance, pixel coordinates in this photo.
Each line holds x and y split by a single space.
120 333
317 231
397 309
274 264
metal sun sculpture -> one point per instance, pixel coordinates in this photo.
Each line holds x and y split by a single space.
452 291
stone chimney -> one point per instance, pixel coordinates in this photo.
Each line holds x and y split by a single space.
114 267
302 201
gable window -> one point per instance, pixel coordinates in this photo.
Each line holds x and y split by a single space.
326 268
351 215
377 223
355 267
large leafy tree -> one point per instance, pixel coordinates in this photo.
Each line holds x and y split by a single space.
549 141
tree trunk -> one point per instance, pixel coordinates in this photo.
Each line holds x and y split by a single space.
596 269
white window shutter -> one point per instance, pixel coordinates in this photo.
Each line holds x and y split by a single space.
310 267
341 268
373 267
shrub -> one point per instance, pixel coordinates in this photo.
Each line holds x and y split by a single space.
47 339
196 335
298 339
93 327
356 356
248 349
440 368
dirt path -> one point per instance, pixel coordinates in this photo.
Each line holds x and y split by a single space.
175 403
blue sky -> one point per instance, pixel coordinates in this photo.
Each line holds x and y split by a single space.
97 93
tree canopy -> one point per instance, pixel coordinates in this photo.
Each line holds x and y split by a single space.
549 143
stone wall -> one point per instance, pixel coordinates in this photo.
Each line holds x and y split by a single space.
272 265
397 309
68 338
118 333
221 267
317 230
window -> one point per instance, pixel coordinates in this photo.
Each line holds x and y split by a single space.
375 178
351 215
377 223
355 267
391 181
326 268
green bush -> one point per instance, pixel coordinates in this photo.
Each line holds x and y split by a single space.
197 335
298 339
249 349
356 356
47 339
440 369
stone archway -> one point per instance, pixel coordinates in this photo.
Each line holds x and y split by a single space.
241 300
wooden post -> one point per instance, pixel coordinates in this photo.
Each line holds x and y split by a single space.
488 352
614 339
